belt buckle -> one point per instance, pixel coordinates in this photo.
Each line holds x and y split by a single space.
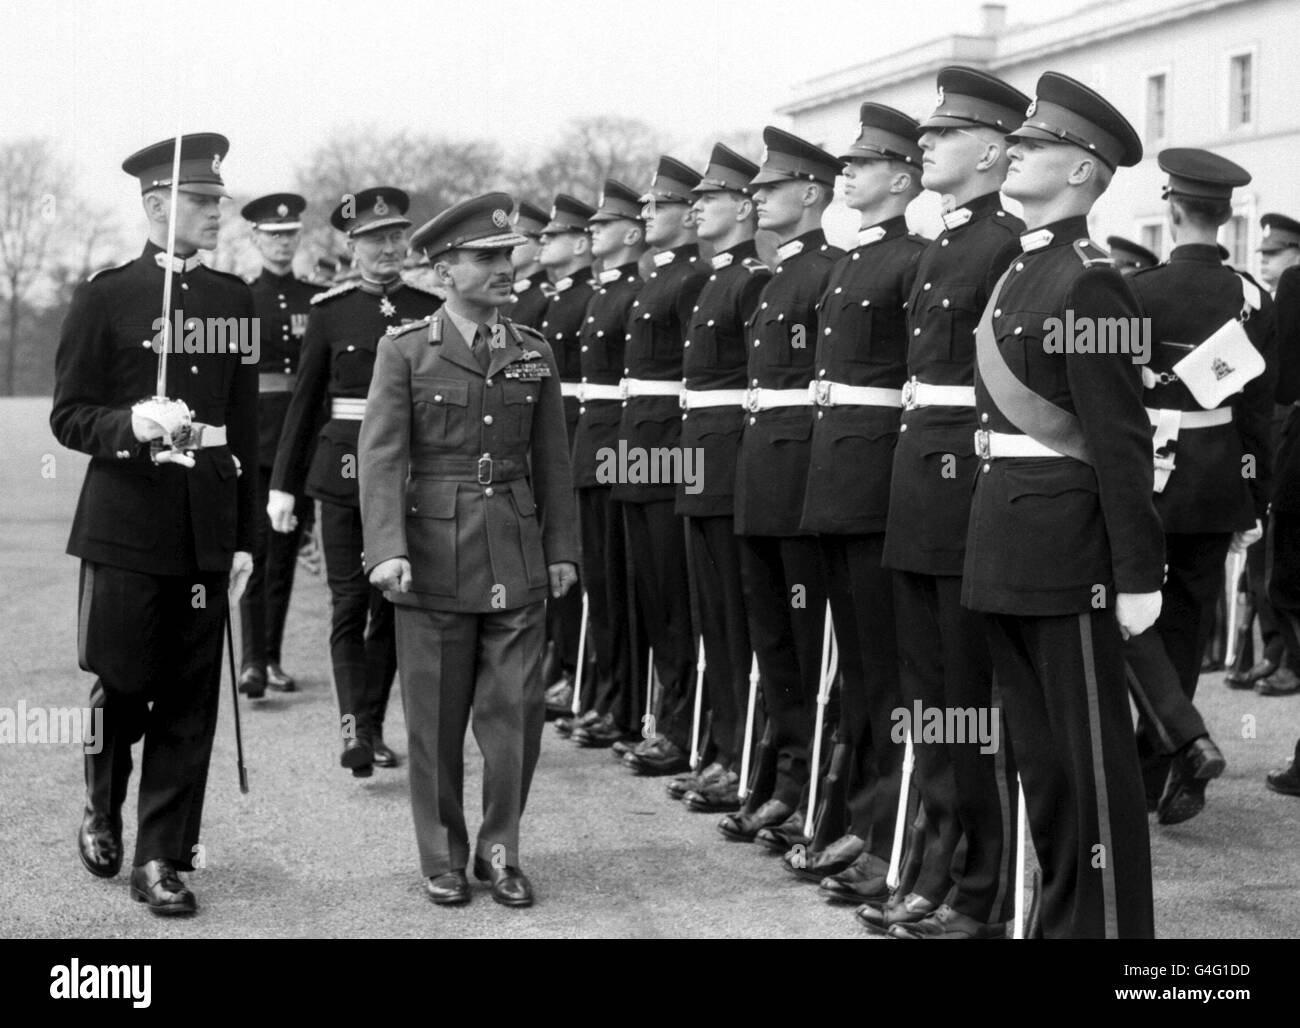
681 400
622 389
751 400
982 449
909 394
485 459
820 393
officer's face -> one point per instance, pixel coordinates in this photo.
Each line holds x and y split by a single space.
526 253
716 213
949 156
1272 264
665 222
276 247
559 248
198 220
379 255
609 237
779 205
481 278
1039 170
866 182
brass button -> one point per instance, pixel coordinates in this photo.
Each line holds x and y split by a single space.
487 419
488 491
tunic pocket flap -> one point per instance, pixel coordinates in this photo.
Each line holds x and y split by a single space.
439 390
432 499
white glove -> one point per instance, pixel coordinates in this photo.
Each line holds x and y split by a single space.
392 575
1136 612
241 567
1241 541
279 508
159 419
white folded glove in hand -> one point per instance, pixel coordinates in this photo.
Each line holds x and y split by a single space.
159 419
1136 612
279 508
1242 541
241 567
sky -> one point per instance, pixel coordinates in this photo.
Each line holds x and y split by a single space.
104 79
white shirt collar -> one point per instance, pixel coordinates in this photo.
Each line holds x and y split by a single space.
179 264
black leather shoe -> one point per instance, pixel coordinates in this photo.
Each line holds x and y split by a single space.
1286 781
623 747
897 909
559 698
1282 682
599 734
158 884
1202 759
383 754
510 886
666 759
448 890
277 679
252 682
99 841
862 882
693 781
1246 679
786 836
716 797
566 726
816 865
1194 766
742 827
358 756
946 923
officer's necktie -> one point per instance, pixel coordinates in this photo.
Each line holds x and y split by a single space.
481 353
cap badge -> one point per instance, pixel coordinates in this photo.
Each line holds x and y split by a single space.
763 159
1032 109
1267 230
499 218
381 208
939 97
283 210
555 212
216 164
600 200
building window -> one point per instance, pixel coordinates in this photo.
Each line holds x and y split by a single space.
1155 108
1235 239
1241 91
1153 239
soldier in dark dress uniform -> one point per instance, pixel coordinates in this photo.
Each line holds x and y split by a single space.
532 288
714 366
469 516
281 301
780 564
166 523
338 354
617 241
651 425
860 369
566 256
1065 551
1213 466
967 793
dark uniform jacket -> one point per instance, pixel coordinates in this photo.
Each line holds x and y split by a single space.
464 473
715 357
928 506
134 514
281 304
1286 480
1045 531
861 341
601 358
776 446
561 325
1188 299
338 355
532 294
656 329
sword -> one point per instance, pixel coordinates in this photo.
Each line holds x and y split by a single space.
1018 930
1238 565
649 718
160 385
896 854
234 695
697 753
582 652
830 663
743 791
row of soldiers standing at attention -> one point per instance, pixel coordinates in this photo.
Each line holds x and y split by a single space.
897 436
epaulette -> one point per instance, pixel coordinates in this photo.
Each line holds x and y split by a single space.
1090 253
104 271
753 265
338 290
421 289
412 326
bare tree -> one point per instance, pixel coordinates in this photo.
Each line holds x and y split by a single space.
589 151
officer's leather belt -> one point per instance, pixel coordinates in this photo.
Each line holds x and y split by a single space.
758 399
1193 418
198 436
484 470
630 387
997 445
347 408
275 381
573 389
692 399
590 391
836 394
919 394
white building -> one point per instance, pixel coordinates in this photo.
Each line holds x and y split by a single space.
1218 74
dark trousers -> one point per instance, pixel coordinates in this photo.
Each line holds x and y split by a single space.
785 604
720 613
453 665
155 642
657 546
862 608
604 572
1171 720
968 795
1283 575
362 647
1257 580
266 599
1062 683
1193 582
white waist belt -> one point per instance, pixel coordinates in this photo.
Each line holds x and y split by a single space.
598 392
1193 418
765 399
994 445
918 394
343 408
573 389
198 436
695 398
834 394
648 387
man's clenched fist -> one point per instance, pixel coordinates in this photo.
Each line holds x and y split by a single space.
392 575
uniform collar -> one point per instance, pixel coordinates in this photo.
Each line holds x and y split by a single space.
1201 253
1058 233
612 275
569 281
886 229
269 277
380 288
180 265
805 243
979 207
666 257
741 251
